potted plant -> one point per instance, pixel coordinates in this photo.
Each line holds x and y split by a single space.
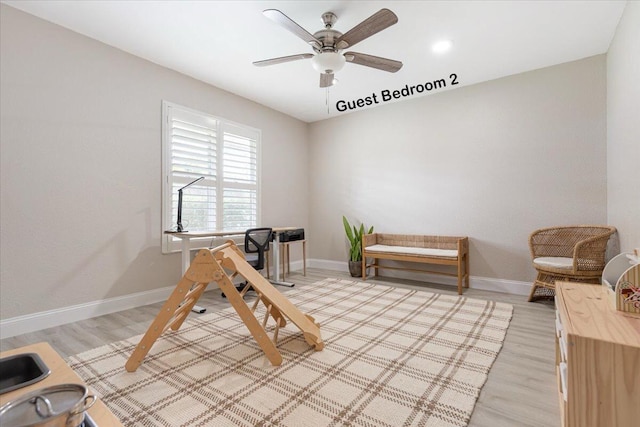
355 251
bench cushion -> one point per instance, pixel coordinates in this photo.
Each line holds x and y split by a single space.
405 250
554 262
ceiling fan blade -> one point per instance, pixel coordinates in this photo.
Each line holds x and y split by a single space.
326 79
383 64
280 60
288 23
375 23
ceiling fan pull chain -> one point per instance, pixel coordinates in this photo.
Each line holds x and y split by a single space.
327 100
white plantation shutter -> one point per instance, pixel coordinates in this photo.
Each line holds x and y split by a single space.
239 154
226 154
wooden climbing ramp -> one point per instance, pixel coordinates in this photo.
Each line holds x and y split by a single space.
222 265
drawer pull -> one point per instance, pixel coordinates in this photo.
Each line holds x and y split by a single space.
563 379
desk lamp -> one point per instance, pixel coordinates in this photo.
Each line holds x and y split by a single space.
179 227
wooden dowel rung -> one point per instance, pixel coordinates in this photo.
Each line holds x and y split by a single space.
266 315
194 289
245 289
275 333
176 320
169 324
255 304
183 307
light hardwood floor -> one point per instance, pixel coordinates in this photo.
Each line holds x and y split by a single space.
521 389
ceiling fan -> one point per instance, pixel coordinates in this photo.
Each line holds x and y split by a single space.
328 44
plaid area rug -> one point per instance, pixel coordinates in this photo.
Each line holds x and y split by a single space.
392 357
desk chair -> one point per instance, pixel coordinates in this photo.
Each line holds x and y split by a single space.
256 243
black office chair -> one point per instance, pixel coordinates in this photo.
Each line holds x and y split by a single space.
256 243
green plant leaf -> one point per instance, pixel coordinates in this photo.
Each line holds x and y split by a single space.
355 235
347 229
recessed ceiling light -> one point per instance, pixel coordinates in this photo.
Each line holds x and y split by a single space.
441 46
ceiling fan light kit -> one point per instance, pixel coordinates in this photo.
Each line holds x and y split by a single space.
329 43
328 62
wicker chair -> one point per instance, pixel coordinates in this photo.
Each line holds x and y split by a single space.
573 253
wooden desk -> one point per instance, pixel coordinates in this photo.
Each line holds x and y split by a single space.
286 258
61 373
186 236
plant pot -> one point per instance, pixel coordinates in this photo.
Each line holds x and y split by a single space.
355 268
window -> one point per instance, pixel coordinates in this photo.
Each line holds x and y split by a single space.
226 154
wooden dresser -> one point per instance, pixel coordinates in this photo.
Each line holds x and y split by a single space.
597 359
61 373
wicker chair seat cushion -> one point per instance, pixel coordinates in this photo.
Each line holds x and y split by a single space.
562 263
405 250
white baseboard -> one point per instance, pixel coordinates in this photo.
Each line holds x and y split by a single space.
47 319
515 287
328 264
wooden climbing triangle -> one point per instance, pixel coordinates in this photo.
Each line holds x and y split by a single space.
222 265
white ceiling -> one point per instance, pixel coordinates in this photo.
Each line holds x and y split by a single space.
217 41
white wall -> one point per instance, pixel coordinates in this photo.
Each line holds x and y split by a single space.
623 128
493 161
81 166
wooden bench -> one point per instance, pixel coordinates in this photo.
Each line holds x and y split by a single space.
441 250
